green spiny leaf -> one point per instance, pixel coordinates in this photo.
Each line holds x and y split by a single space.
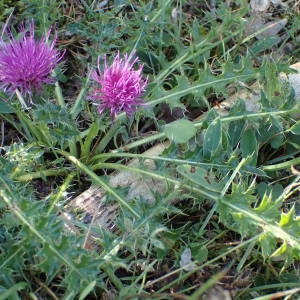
248 144
212 143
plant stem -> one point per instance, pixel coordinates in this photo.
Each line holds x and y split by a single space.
284 165
146 140
198 124
41 174
109 135
75 110
59 95
194 87
99 181
61 191
114 279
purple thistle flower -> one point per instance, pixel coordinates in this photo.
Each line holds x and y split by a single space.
26 63
121 86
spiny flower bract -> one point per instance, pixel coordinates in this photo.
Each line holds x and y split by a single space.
121 86
25 63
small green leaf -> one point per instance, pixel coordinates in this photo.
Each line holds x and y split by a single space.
263 44
199 253
295 129
248 144
287 218
264 204
264 100
267 244
182 84
235 131
5 108
267 208
273 191
278 254
212 139
209 118
157 244
277 141
87 290
180 131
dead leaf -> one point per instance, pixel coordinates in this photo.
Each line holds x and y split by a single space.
263 30
260 5
295 171
217 293
186 262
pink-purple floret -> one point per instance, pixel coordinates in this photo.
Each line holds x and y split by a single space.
25 63
121 86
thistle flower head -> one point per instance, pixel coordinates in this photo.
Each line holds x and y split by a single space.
26 63
121 86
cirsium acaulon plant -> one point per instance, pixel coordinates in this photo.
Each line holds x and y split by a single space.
121 86
26 63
